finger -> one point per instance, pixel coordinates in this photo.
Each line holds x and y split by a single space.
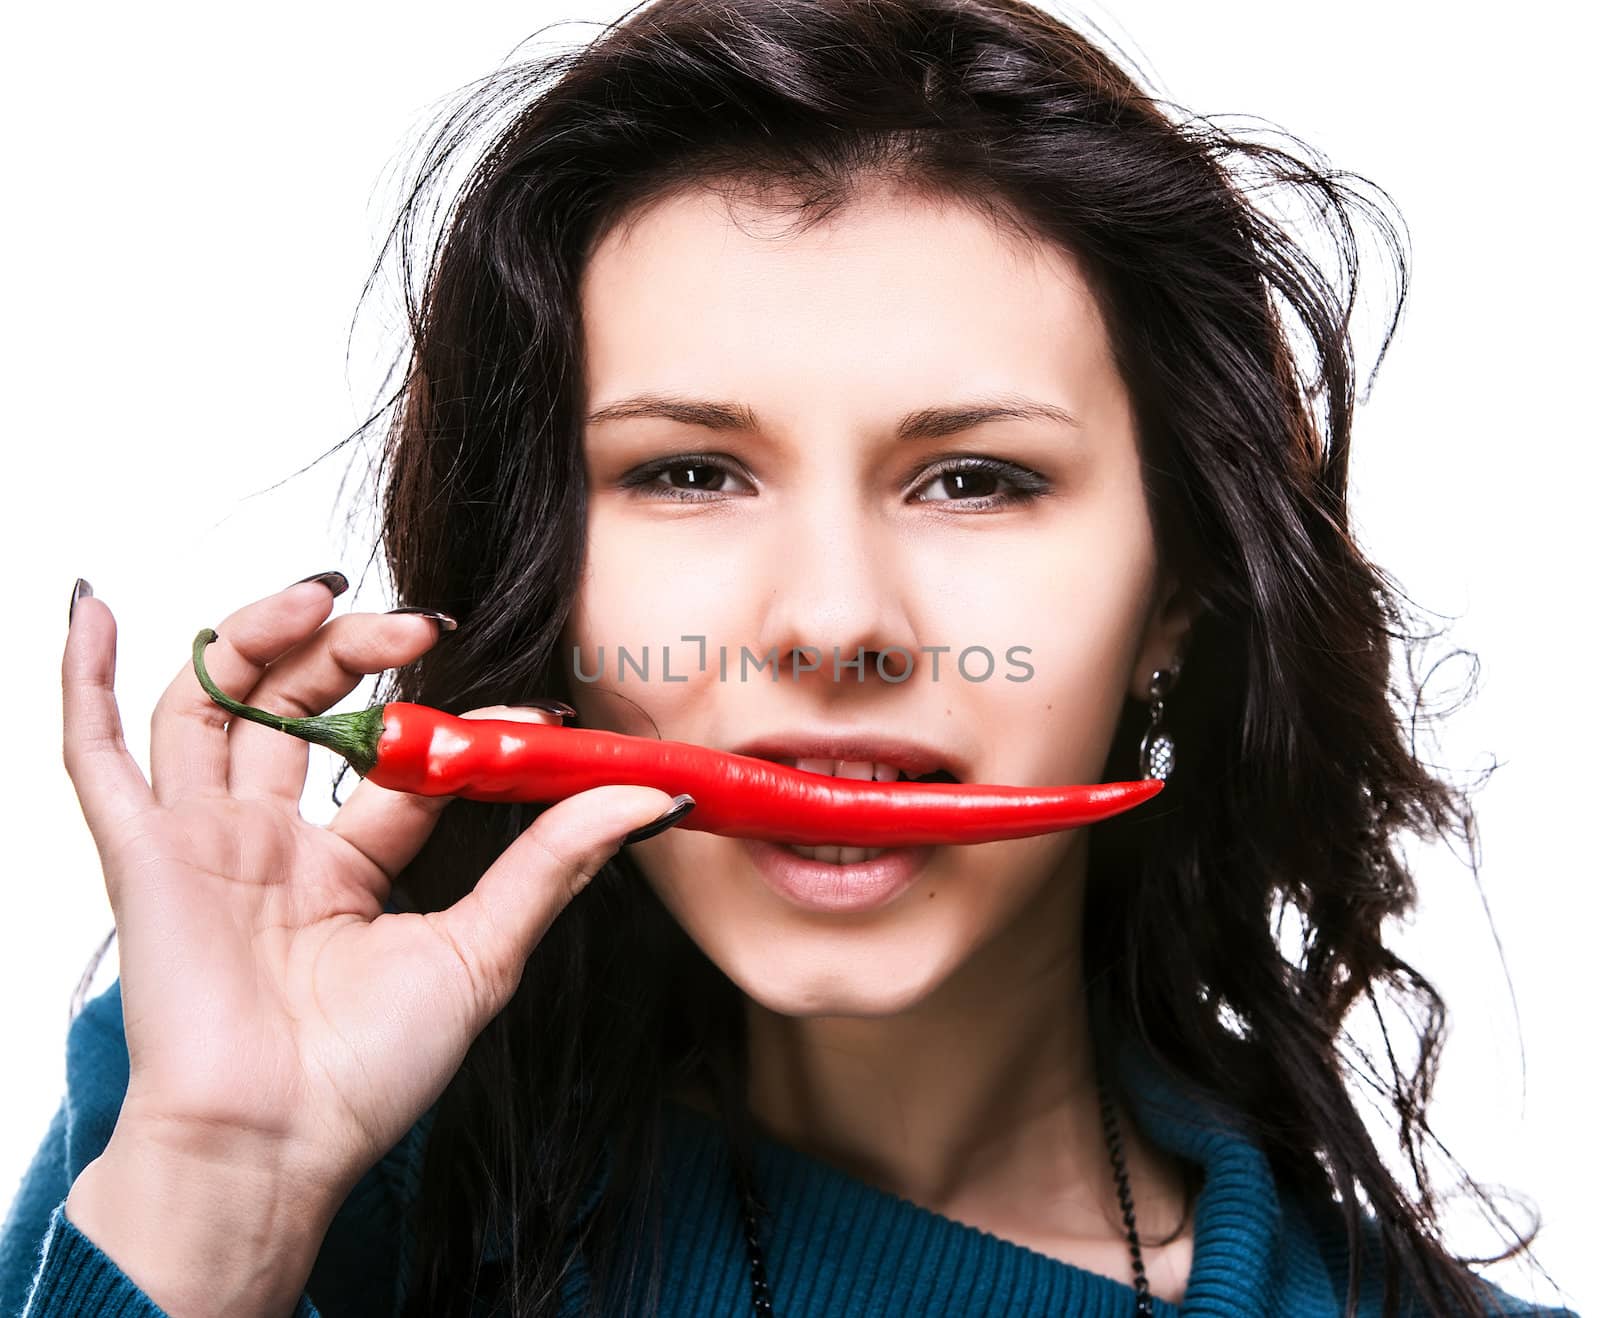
514 714
188 738
389 827
105 776
308 679
495 927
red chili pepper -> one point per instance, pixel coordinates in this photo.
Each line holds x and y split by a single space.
418 749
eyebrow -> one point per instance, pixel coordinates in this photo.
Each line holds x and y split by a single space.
925 423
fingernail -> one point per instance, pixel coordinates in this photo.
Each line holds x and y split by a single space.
550 706
337 582
445 621
78 592
681 805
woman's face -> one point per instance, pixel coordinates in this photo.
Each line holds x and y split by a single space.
795 517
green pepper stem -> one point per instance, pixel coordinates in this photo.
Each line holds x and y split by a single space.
353 735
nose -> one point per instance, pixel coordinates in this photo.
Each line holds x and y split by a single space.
838 581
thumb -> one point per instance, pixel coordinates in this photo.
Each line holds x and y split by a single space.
495 927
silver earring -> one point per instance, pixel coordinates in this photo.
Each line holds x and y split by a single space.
1157 751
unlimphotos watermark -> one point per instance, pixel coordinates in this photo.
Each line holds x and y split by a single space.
975 663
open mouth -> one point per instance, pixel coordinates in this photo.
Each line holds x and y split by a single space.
875 771
861 770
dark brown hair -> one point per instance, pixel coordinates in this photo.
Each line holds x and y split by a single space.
1297 778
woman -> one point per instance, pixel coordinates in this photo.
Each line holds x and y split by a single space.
891 331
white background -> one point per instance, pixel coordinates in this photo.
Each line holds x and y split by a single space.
196 196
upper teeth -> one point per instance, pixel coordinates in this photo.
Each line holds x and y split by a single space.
867 770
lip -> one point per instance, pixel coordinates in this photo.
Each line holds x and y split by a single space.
817 886
904 753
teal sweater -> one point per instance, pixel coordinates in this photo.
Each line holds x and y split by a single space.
838 1248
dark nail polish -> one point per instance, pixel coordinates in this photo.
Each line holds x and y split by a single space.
337 582
445 621
78 592
681 805
550 706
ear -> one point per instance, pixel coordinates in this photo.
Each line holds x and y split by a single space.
1166 634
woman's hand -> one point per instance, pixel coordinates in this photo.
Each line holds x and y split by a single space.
279 1022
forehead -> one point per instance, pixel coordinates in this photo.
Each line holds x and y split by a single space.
894 293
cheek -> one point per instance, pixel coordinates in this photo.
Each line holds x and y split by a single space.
633 609
1086 651
1064 613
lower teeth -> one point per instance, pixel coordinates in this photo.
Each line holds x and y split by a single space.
838 855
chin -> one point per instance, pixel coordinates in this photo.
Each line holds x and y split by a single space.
813 976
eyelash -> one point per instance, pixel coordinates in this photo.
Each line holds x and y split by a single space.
1026 485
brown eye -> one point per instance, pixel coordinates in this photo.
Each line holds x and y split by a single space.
695 476
968 484
984 484
686 478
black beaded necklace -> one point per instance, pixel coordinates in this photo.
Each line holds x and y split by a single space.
1143 1307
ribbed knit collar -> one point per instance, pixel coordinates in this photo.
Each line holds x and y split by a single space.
838 1245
